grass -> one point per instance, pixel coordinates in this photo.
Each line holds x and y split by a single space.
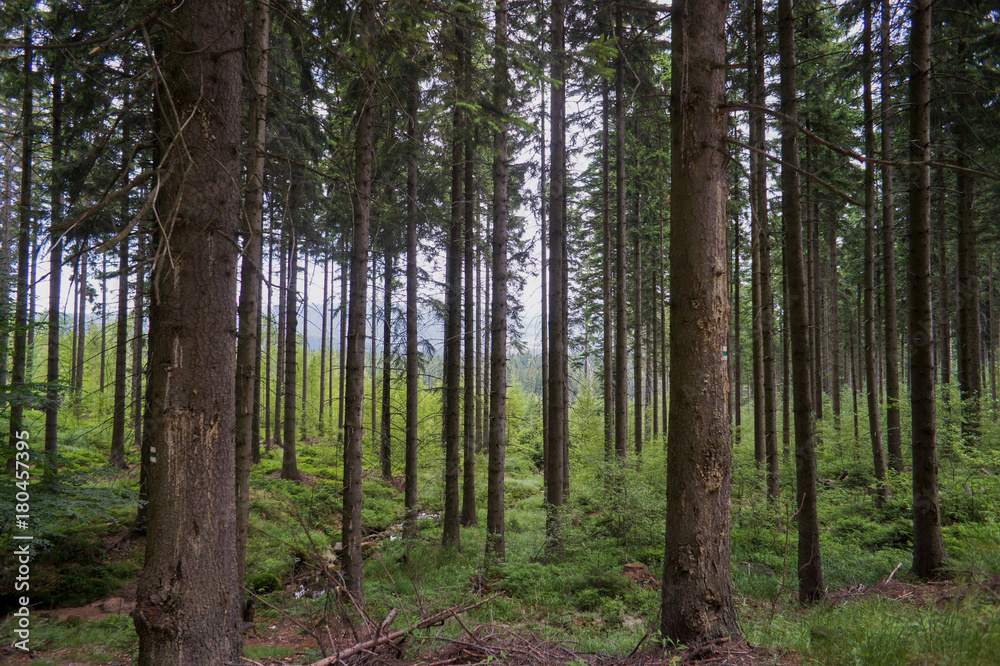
615 516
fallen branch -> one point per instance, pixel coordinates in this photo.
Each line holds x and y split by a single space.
889 579
437 618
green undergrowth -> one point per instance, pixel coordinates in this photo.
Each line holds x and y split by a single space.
613 522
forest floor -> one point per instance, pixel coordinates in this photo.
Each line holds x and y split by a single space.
478 643
598 603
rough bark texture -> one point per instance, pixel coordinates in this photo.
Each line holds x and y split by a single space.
558 270
697 601
607 370
810 566
469 397
354 389
116 457
893 430
621 351
55 269
928 546
495 539
884 493
410 529
969 331
385 438
289 458
248 339
187 608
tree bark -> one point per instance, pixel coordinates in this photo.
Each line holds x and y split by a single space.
697 593
116 457
187 608
55 269
928 546
354 388
289 459
810 566
558 272
637 339
248 339
893 431
621 359
495 540
469 379
969 333
410 529
451 536
884 492
385 440
16 400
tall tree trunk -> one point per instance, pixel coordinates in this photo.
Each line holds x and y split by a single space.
102 380
453 302
247 338
385 441
558 270
637 339
81 330
16 401
55 269
289 459
928 546
187 608
354 389
342 349
138 417
874 416
410 529
697 593
607 371
810 565
325 308
468 381
894 442
304 419
621 344
944 299
279 370
495 539
834 331
969 333
852 341
116 457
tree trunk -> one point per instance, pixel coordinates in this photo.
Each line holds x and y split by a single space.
495 539
16 400
969 333
81 330
607 372
410 529
697 593
944 296
117 454
810 566
558 270
451 536
637 339
928 546
279 371
187 608
324 310
55 270
621 359
248 339
469 379
385 441
354 389
874 418
289 459
894 443
138 409
304 419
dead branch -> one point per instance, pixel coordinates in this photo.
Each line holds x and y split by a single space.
433 620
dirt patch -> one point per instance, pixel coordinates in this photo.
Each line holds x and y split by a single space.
119 603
